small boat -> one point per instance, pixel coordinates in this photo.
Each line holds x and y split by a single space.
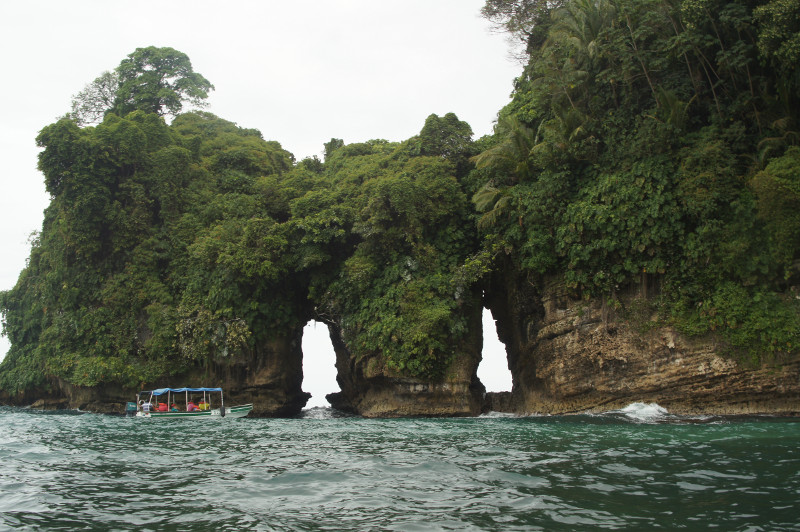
150 404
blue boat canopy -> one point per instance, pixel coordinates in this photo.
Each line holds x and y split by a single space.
162 391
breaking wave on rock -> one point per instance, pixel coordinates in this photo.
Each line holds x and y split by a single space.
646 412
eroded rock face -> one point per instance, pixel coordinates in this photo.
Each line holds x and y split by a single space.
565 355
569 355
271 378
371 389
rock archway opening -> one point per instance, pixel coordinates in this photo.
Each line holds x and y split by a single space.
319 364
493 370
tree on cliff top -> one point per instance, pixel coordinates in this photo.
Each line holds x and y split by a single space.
526 21
153 80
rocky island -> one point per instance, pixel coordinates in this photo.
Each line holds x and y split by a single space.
631 225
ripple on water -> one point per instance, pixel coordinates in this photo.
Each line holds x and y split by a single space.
332 473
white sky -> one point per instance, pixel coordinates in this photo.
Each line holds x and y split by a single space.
301 71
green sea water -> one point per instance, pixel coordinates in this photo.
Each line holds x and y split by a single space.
635 469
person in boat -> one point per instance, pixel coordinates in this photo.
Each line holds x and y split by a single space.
174 408
162 407
191 407
202 405
145 406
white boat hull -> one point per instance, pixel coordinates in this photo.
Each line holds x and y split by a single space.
230 412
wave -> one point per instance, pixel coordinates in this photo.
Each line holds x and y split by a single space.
323 412
492 414
655 413
643 412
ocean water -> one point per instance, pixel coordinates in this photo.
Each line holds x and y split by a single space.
634 469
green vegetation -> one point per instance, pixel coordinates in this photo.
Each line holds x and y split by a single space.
121 285
655 141
154 80
167 247
648 142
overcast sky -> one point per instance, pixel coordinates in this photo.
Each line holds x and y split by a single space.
301 71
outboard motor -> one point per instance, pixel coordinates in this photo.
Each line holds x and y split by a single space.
130 409
222 410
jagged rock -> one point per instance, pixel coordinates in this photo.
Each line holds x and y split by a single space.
499 402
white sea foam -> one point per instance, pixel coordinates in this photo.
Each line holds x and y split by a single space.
317 412
493 414
644 411
323 412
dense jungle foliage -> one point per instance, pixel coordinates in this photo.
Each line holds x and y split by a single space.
656 140
166 247
648 142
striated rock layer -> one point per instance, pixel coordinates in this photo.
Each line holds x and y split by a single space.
568 355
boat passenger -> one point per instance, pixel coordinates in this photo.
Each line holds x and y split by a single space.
162 407
191 407
203 405
145 407
174 408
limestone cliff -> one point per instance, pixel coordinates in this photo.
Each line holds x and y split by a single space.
567 355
